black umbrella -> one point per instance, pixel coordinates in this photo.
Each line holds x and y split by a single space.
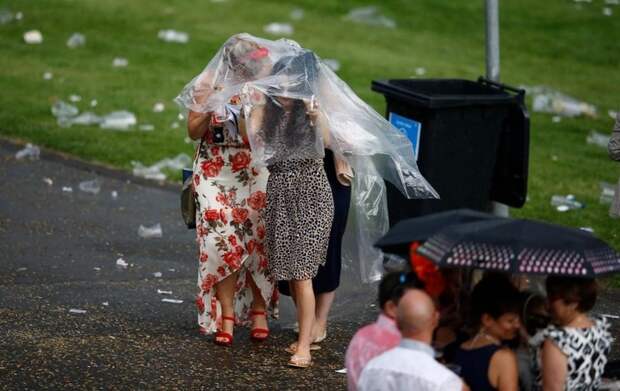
400 236
522 246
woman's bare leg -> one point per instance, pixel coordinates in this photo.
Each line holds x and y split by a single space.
225 293
324 303
305 302
258 305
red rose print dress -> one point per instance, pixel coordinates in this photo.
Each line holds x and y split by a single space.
230 198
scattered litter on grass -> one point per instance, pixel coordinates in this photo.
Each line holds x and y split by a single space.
587 229
175 125
118 120
297 14
157 275
105 303
566 203
63 109
420 71
179 162
173 36
33 37
114 194
48 181
121 263
556 119
172 270
48 75
19 15
146 127
159 107
173 301
279 29
22 269
180 117
547 100
92 186
160 292
608 191
150 232
120 62
76 40
613 114
67 189
607 11
30 151
93 103
332 63
371 16
75 98
97 269
612 2
343 370
187 140
598 139
86 118
77 311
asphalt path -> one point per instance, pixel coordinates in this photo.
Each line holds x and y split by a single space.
59 252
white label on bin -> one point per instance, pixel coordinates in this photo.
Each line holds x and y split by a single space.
410 128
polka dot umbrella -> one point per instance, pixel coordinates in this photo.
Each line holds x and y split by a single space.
522 247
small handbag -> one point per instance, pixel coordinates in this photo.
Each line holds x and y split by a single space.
188 202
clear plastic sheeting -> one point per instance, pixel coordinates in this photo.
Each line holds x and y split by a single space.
154 171
294 106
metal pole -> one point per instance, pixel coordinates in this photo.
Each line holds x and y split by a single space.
492 52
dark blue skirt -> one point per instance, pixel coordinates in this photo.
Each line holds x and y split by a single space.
328 277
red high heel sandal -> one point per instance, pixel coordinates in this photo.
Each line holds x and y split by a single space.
223 338
259 334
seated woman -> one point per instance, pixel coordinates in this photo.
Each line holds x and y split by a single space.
572 352
486 364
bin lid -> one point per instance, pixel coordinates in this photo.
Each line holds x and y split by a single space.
435 93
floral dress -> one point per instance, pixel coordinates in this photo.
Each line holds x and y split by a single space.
230 198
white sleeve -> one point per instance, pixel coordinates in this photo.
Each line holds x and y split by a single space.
453 383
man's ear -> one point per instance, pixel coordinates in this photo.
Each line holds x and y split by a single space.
390 309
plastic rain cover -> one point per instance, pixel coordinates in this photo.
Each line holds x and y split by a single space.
294 106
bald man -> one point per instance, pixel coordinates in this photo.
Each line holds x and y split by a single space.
411 365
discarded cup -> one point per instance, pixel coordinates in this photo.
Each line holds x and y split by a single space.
173 36
546 100
86 118
598 139
33 37
160 292
607 11
97 269
420 71
118 120
48 75
75 98
92 186
343 370
279 29
120 62
371 16
93 103
159 107
48 181
63 109
105 303
157 275
76 40
146 127
76 311
31 152
566 203
608 191
150 232
297 14
114 194
67 189
173 301
121 263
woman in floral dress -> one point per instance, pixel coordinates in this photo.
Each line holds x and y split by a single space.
234 285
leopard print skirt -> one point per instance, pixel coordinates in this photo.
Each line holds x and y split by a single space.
298 218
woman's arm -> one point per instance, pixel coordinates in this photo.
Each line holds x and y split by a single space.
503 371
554 367
197 124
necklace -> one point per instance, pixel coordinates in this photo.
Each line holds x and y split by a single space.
486 335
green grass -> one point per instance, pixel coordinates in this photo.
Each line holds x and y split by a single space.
551 43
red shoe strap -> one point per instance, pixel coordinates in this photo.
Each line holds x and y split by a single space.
257 313
228 318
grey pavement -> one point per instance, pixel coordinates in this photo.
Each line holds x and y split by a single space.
58 252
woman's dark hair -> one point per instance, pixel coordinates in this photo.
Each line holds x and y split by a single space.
393 286
582 291
495 296
534 315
